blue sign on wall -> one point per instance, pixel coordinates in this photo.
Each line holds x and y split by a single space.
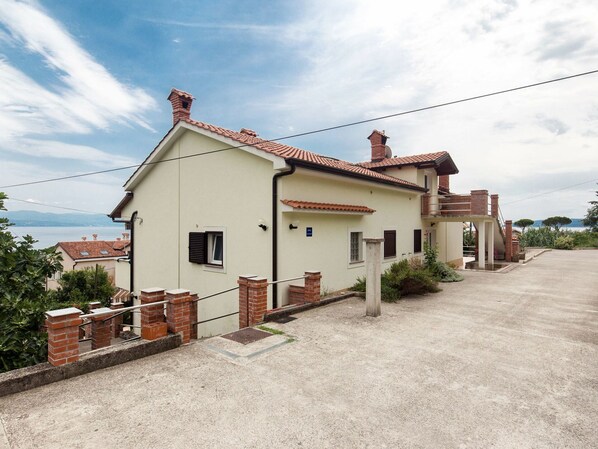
308 232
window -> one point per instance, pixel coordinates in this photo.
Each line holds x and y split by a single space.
417 240
206 248
104 252
390 244
425 181
84 253
215 248
356 247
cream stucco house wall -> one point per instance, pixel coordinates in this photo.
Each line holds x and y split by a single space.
238 204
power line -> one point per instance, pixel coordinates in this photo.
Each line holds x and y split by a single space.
307 133
550 191
37 203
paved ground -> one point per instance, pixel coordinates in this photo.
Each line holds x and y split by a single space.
500 360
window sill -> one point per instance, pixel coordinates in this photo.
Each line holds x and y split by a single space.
214 268
358 264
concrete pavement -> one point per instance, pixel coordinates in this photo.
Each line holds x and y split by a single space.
499 360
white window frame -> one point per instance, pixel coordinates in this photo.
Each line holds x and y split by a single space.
214 265
357 263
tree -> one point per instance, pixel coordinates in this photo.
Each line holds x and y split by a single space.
556 222
80 287
23 297
591 218
523 223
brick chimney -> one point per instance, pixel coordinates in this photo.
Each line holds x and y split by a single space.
444 183
95 236
181 105
125 236
378 141
83 238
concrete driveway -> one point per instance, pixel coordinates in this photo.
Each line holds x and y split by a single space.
501 360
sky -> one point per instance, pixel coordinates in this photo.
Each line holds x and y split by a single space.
84 86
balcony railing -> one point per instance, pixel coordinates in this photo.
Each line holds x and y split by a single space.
477 203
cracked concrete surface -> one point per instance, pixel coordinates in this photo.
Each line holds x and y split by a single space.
499 360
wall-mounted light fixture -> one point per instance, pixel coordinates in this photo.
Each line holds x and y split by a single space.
262 225
294 225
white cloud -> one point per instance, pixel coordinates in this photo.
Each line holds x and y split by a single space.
85 97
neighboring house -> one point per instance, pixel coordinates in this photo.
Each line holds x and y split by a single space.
82 254
226 203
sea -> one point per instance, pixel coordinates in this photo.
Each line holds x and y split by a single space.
50 235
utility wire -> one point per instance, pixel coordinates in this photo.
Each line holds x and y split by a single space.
307 133
37 203
550 191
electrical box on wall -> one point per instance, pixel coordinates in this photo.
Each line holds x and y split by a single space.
308 232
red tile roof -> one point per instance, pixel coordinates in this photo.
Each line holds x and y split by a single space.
291 153
94 249
405 160
327 206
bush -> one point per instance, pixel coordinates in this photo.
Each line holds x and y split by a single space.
401 279
564 242
538 237
585 239
441 271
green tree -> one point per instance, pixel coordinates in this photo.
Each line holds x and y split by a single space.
80 287
556 222
591 218
523 223
23 298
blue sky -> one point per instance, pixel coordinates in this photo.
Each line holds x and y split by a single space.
83 87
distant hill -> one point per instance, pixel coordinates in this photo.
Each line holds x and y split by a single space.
575 223
45 219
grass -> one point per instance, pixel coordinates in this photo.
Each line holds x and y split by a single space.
271 330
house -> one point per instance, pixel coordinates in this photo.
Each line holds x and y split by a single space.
210 204
82 254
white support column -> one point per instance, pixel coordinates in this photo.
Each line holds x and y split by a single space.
490 242
373 262
481 244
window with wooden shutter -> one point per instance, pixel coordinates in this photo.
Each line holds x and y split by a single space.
390 244
198 247
417 240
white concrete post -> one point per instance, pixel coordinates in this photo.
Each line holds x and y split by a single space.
490 242
373 262
481 244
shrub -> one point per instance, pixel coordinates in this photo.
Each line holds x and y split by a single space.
441 271
585 239
538 237
564 242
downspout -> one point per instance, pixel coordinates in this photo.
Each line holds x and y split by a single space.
275 231
131 222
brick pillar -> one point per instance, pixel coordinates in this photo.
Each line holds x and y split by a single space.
312 286
243 300
253 300
178 313
63 335
193 318
101 334
479 202
87 328
426 204
508 240
118 320
444 182
494 205
153 325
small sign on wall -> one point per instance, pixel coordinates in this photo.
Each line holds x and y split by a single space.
308 232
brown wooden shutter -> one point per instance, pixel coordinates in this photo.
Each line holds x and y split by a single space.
198 247
390 243
417 240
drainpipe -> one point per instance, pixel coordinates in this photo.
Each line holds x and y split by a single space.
275 231
131 222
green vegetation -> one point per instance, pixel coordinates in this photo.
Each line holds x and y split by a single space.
271 330
564 242
548 238
591 218
556 222
441 271
524 223
79 288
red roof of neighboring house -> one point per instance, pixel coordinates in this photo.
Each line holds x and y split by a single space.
327 206
94 249
440 160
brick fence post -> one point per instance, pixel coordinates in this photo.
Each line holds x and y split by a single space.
479 202
494 205
118 320
193 318
63 335
178 313
100 329
312 286
257 300
243 300
426 204
508 240
153 325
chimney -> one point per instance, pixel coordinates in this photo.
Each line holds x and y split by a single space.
379 148
83 238
181 105
95 236
125 236
444 183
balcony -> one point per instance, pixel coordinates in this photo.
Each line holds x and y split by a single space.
460 207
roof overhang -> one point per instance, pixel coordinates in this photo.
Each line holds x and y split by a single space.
117 212
324 208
